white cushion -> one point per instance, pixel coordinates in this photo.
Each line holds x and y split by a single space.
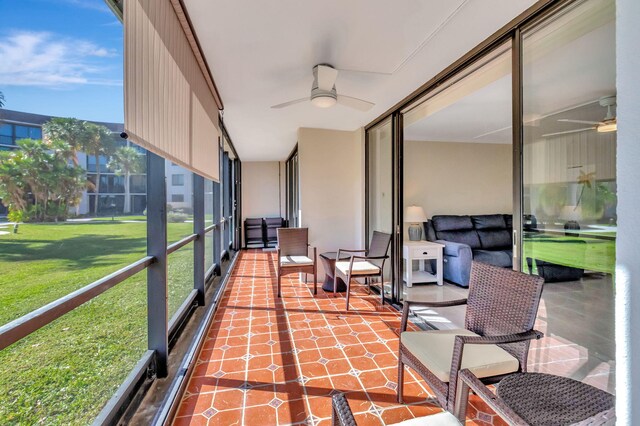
435 349
359 268
441 419
295 261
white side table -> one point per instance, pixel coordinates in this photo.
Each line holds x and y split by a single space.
421 251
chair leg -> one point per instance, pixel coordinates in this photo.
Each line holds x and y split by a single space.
368 283
348 289
400 379
315 279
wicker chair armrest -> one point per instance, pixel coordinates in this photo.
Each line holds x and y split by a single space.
506 338
341 414
351 251
369 257
407 304
428 304
468 380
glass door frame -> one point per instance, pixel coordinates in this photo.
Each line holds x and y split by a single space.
511 32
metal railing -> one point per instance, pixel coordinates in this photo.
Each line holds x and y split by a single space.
34 320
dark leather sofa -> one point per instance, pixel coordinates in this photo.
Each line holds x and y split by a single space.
484 238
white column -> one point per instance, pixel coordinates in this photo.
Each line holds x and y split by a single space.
628 241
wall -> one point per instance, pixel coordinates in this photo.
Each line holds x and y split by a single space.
627 246
332 188
458 178
261 192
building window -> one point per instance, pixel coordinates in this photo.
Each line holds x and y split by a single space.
177 180
177 198
10 133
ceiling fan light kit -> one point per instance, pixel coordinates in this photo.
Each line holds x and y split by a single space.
324 93
323 100
608 124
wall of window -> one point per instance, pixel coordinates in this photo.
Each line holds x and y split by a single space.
10 133
552 109
105 288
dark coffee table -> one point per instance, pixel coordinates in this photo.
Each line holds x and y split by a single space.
329 263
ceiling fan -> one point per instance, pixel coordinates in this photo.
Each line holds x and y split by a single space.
324 94
608 124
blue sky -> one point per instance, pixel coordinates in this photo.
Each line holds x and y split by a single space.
62 58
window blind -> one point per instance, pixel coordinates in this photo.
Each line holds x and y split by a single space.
169 106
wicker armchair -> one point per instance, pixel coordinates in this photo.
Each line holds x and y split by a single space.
293 255
501 310
368 266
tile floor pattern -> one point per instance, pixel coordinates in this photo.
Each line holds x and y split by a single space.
270 361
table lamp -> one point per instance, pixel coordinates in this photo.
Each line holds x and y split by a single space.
415 216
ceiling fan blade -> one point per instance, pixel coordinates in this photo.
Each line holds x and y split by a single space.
286 104
568 120
567 132
355 103
326 77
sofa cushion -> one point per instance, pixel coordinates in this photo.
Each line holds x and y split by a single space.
488 221
495 239
434 349
468 237
451 223
502 258
508 220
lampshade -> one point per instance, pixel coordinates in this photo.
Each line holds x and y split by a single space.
415 214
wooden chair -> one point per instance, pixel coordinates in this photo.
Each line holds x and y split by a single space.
293 255
368 266
501 310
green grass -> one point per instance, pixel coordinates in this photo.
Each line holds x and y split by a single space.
579 252
65 372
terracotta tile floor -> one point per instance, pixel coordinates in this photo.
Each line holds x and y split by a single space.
270 361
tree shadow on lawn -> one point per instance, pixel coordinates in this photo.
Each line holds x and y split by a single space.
78 252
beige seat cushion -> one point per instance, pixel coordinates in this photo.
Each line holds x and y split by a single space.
295 261
359 268
441 419
435 350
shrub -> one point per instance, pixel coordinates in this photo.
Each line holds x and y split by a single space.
174 217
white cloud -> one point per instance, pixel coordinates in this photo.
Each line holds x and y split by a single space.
45 59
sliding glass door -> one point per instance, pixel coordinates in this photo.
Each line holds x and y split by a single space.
380 194
569 170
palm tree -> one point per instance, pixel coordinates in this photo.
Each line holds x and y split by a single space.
99 142
126 161
1 99
69 130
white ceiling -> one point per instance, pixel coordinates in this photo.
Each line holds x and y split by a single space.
261 53
565 66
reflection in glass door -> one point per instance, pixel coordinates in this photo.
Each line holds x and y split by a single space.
379 216
457 178
569 171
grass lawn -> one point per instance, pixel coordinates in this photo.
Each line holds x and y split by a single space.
579 252
65 372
